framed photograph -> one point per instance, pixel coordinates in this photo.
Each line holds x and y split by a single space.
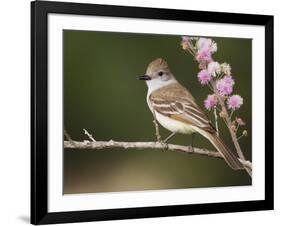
145 112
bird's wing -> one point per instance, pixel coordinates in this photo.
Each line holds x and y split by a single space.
180 105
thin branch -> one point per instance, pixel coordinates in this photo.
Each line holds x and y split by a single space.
242 135
210 87
216 121
68 137
231 114
191 53
98 145
89 135
192 48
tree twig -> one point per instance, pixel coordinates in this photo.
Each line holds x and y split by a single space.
216 121
89 135
98 145
68 137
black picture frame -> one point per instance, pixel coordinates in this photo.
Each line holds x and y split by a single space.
39 112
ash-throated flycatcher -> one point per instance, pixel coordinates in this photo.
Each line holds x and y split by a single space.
176 110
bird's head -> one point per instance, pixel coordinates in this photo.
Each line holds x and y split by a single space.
157 70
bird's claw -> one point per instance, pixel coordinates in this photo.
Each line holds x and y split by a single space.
163 143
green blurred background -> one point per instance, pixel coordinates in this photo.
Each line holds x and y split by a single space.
102 95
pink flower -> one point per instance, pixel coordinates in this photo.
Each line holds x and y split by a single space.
224 88
203 42
210 102
185 42
206 47
207 43
228 79
214 68
204 77
204 55
225 85
234 102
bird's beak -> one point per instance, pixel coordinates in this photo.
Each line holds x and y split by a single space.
144 77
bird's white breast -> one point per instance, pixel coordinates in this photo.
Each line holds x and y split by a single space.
174 125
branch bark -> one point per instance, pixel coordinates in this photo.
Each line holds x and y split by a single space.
98 145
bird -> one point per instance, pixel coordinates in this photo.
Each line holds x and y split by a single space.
174 108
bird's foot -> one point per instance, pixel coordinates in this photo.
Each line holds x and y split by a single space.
164 144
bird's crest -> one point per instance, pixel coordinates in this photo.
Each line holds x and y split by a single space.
158 64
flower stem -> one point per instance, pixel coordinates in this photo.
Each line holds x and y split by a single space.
190 52
240 137
231 114
237 127
216 121
211 88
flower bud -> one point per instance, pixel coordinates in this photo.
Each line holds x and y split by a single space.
245 133
240 122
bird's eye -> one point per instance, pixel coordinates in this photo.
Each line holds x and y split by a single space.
160 73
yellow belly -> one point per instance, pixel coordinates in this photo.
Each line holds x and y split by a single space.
174 125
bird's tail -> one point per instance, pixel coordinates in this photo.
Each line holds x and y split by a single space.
230 158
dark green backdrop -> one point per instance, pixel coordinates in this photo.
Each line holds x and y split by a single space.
102 95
